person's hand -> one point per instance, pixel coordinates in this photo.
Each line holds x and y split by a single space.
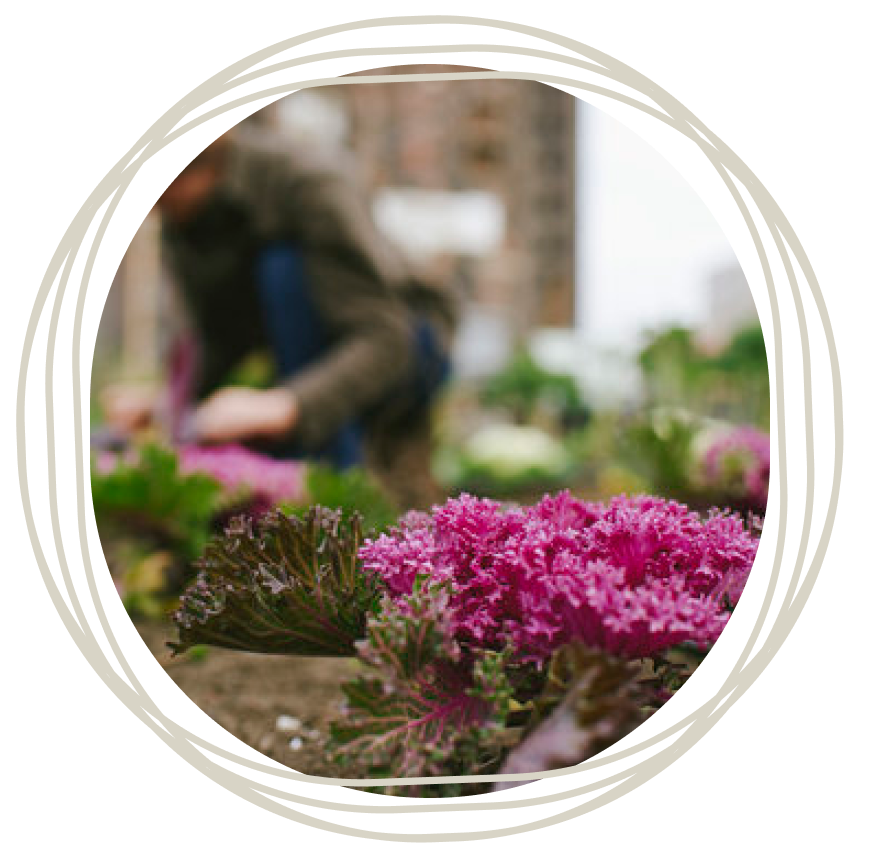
236 414
128 407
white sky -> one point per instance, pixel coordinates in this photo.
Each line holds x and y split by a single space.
647 244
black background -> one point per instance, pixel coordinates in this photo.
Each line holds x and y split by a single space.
768 97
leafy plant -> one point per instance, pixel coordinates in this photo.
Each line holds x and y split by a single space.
531 637
732 384
422 706
151 496
248 478
505 461
590 701
282 584
737 464
634 577
659 446
745 355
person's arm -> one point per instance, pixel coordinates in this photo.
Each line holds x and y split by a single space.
350 272
370 329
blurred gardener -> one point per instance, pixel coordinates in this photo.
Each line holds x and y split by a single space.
271 251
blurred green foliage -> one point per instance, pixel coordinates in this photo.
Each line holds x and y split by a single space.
350 490
460 473
524 388
659 448
732 384
153 523
151 495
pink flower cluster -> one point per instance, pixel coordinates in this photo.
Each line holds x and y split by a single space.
236 467
634 577
753 448
106 461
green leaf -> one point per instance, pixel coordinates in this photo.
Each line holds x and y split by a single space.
524 386
151 497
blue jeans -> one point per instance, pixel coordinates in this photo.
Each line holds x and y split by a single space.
298 339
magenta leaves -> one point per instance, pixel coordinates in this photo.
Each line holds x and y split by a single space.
281 585
635 577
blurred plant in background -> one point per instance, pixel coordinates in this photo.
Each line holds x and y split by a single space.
152 520
739 462
157 507
349 491
530 394
525 430
658 445
517 446
505 461
732 384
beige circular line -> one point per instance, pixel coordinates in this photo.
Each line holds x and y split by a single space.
742 675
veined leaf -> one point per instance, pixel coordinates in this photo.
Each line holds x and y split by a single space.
422 706
282 584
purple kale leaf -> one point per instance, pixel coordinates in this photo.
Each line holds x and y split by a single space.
590 701
281 584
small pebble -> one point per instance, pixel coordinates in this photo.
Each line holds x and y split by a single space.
288 724
295 743
266 742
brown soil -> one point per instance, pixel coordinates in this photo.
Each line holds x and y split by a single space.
246 694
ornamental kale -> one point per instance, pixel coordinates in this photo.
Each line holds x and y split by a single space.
145 490
634 577
489 638
238 469
740 462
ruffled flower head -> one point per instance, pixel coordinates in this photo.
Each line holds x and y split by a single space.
634 577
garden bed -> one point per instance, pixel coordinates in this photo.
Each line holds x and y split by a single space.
248 694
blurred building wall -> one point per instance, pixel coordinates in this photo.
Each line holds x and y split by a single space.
730 307
513 139
129 335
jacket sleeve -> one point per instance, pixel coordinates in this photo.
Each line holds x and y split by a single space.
369 329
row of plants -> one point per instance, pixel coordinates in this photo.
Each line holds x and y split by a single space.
699 435
488 638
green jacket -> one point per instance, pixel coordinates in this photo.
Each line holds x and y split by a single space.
363 290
